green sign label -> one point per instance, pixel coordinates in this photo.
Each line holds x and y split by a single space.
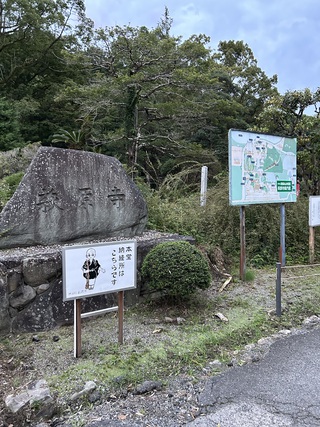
284 186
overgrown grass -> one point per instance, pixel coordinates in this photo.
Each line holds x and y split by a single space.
218 224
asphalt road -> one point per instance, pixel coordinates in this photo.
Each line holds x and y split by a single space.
282 389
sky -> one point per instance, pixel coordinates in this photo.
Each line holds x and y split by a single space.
284 35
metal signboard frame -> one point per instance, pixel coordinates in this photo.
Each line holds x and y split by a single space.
262 168
94 269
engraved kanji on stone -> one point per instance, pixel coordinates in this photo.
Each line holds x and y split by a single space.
85 197
117 197
48 199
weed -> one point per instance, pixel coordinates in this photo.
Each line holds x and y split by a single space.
35 405
249 276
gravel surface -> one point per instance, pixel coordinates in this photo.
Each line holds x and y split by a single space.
38 250
175 406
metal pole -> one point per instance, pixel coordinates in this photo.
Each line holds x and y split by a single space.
283 234
242 243
278 290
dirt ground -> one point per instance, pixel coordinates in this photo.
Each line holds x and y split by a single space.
27 357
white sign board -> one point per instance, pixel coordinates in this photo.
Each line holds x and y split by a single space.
314 211
90 270
262 168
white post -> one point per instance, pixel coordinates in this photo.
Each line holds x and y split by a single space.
204 179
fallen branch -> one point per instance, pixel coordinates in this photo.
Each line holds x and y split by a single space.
225 284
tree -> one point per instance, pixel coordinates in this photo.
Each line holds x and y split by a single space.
249 85
10 135
32 33
286 115
243 90
150 93
36 44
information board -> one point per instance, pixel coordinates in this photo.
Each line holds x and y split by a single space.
314 211
90 270
262 168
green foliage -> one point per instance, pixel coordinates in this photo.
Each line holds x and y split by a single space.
10 135
218 224
73 139
287 115
17 160
248 86
31 38
176 269
249 276
181 215
8 186
152 96
36 40
297 232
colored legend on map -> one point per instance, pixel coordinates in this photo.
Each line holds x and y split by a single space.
262 168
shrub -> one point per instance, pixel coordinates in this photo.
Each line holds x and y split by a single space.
175 269
8 186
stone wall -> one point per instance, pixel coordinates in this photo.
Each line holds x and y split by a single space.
31 288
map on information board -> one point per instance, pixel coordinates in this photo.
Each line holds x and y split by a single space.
262 168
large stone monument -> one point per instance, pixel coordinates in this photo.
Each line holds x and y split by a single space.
70 196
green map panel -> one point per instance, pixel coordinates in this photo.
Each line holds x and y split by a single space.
262 168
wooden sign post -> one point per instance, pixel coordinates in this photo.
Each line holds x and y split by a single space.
77 328
120 316
78 316
311 244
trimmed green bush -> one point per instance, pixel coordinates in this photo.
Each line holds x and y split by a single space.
175 269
